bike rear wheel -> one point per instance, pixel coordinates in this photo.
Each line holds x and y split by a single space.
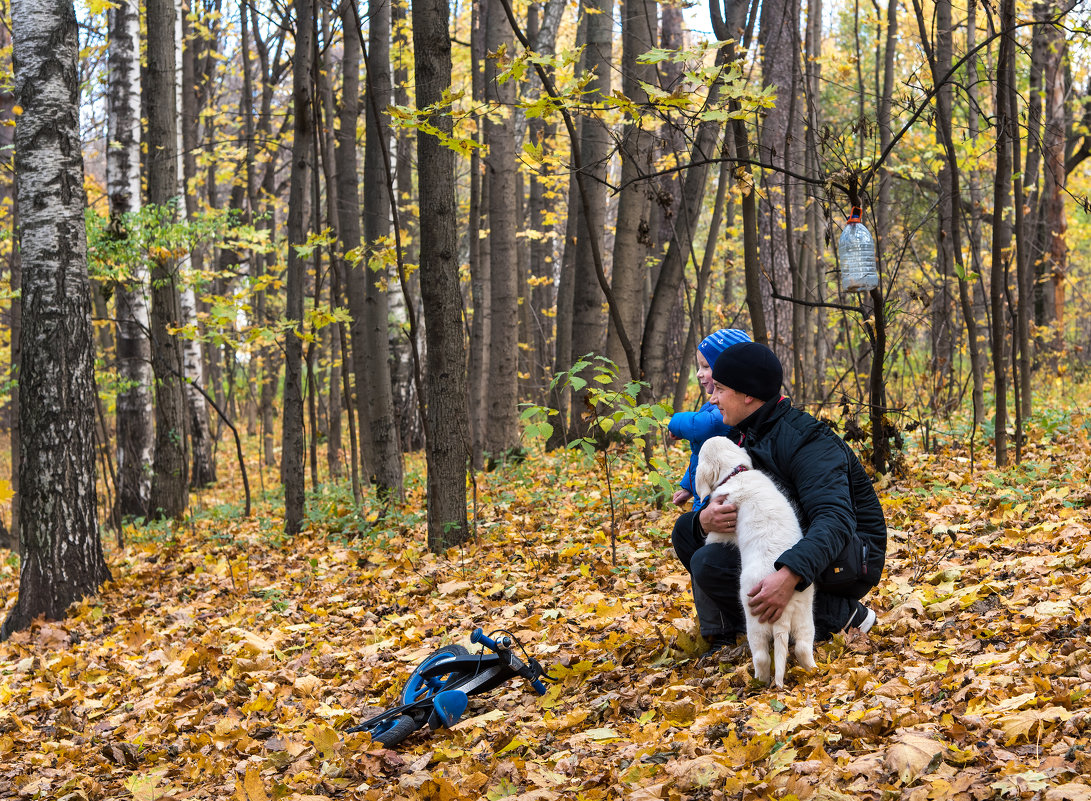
419 687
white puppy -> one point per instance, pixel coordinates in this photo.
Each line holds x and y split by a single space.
765 528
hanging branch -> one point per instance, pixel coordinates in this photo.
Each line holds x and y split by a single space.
235 432
869 173
858 182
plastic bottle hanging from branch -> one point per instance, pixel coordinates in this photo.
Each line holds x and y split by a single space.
856 250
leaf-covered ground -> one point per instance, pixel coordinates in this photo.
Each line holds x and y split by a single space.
224 661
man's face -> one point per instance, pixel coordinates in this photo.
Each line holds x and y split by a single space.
734 406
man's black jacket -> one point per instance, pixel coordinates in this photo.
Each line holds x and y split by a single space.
831 491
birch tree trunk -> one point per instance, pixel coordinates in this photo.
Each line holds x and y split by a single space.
62 557
203 472
135 423
447 428
407 405
377 391
169 480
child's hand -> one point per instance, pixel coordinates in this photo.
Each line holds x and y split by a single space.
680 497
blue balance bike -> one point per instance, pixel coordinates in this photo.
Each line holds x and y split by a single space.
438 691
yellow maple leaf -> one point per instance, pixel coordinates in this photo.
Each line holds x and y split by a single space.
253 785
326 741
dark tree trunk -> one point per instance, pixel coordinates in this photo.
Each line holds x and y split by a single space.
656 334
292 449
941 309
446 418
479 300
62 557
1001 238
543 265
331 334
632 237
588 322
780 146
7 194
1054 221
729 23
169 480
349 227
501 434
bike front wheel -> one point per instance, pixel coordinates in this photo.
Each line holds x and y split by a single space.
391 733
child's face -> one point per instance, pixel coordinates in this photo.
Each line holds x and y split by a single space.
704 373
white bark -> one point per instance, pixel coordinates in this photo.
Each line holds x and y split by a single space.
62 555
192 362
135 443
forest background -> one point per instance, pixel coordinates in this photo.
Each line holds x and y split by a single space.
322 238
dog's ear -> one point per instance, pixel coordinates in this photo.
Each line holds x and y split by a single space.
706 474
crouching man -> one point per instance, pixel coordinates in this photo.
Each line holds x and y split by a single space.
843 549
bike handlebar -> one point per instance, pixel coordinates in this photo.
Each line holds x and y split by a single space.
479 637
503 644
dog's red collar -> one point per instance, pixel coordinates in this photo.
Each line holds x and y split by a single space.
741 468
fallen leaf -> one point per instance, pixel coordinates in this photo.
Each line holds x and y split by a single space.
913 754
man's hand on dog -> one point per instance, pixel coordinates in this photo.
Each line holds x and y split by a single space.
719 516
772 594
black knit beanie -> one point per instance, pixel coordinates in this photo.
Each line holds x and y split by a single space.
750 368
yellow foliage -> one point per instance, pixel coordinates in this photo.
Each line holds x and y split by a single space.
222 662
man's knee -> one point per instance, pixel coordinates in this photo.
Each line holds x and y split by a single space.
683 539
712 566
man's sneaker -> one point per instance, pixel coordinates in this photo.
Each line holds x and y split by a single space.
718 642
721 647
869 618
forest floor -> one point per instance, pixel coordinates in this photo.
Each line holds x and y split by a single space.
224 660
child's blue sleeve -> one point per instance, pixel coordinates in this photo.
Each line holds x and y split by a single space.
707 422
699 425
681 424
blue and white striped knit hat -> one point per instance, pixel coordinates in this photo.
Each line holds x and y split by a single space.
719 341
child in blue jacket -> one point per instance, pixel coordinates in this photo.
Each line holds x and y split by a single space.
707 421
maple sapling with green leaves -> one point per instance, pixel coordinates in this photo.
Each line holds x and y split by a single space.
617 423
